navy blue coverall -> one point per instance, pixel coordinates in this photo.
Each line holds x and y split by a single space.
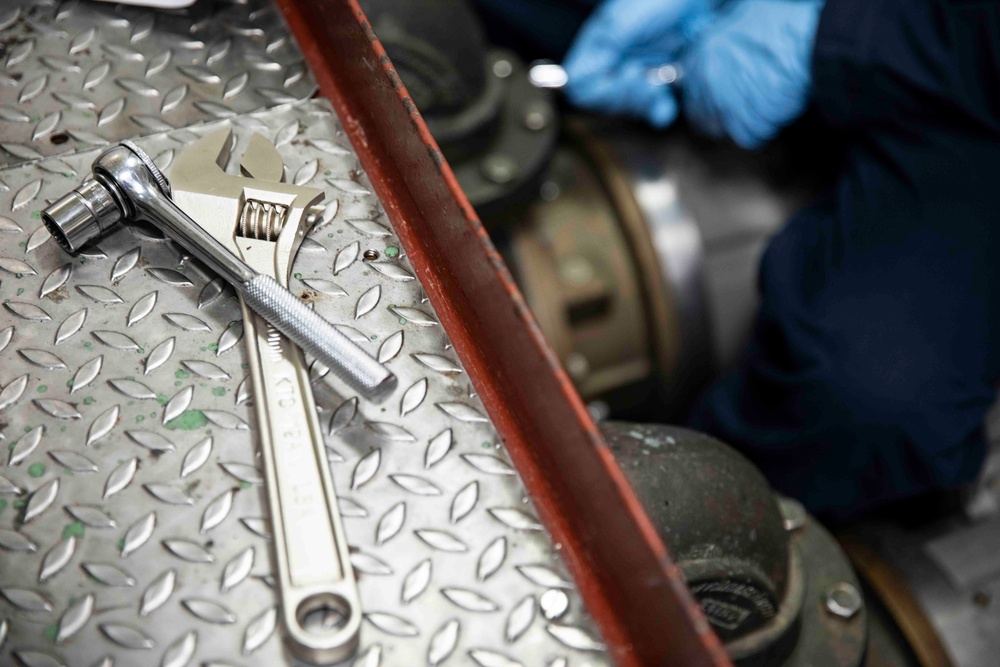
875 355
876 352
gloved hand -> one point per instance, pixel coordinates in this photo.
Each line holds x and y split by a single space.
749 74
608 64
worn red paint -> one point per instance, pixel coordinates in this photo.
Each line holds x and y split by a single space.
632 589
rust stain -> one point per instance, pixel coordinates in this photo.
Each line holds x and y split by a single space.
623 570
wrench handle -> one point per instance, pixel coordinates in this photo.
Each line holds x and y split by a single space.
307 329
315 577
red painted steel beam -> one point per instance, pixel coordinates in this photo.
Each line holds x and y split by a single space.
631 587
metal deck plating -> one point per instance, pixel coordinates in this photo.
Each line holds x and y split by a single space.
82 74
132 527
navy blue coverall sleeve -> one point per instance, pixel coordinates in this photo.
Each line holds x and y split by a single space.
876 350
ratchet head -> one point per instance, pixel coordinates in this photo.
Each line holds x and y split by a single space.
123 178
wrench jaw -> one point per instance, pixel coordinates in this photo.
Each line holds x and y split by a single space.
261 160
274 223
220 202
265 207
198 167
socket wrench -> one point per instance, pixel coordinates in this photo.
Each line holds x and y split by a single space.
127 186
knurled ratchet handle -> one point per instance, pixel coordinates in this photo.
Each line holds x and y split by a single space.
307 329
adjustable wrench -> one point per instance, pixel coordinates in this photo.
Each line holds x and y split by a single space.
247 228
262 220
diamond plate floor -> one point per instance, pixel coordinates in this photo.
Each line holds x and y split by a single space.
82 74
132 525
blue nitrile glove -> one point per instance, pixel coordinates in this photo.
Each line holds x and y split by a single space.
748 75
608 63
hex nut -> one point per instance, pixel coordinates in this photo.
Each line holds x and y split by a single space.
843 600
502 68
499 168
538 115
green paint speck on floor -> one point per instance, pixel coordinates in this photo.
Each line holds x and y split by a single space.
69 383
178 383
402 321
391 251
299 276
51 631
188 420
244 485
42 389
140 418
486 445
213 346
3 505
74 529
121 544
219 391
182 375
161 399
88 400
18 504
36 469
87 344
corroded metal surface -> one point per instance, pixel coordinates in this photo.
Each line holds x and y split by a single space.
131 515
80 74
619 563
772 581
